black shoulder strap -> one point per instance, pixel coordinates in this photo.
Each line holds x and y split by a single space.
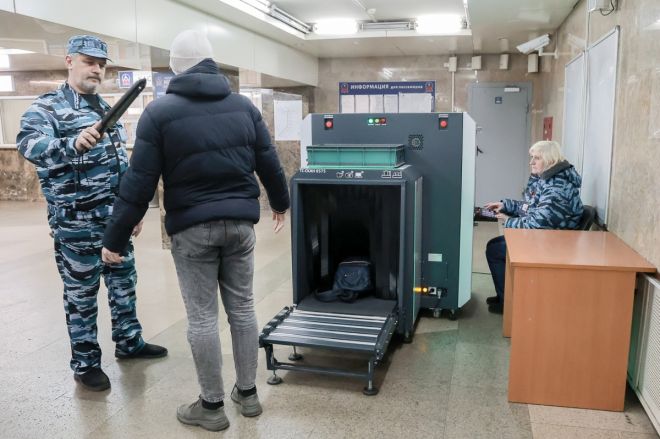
327 296
332 295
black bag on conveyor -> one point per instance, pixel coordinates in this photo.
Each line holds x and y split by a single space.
352 281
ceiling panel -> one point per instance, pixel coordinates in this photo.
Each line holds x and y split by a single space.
515 20
311 11
398 46
395 9
50 39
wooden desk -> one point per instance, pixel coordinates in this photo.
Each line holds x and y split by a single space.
568 309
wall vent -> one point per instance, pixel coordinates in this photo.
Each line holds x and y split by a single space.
645 364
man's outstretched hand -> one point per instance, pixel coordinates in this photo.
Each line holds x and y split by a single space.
279 219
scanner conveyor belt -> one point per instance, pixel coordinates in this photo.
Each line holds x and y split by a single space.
358 333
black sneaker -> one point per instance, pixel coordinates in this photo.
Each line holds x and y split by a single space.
493 299
94 379
496 308
147 351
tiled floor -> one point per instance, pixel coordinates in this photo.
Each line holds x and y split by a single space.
449 383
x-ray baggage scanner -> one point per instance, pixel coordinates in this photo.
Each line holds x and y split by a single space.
398 190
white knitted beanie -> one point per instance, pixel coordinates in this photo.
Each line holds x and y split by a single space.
188 49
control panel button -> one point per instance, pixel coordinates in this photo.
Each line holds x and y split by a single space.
328 123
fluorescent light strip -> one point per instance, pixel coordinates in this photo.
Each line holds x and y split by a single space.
262 5
387 25
442 24
336 26
14 51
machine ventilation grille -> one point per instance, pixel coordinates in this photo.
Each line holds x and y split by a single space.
416 141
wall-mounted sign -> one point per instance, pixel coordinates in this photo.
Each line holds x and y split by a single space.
387 97
126 78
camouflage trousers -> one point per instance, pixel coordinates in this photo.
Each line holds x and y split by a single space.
78 256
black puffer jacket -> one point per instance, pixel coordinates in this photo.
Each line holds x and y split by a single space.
207 142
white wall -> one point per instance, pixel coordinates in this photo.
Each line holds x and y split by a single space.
156 22
7 5
116 18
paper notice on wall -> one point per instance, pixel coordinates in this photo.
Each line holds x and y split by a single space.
375 103
347 104
391 104
415 102
361 103
288 120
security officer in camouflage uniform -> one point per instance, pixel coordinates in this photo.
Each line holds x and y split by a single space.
79 171
552 201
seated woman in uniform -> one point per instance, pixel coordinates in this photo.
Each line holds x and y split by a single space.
552 201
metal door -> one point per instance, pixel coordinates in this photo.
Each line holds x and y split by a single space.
502 114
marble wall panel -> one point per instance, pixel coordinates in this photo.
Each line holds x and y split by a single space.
18 179
634 212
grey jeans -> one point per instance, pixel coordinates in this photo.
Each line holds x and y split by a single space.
208 255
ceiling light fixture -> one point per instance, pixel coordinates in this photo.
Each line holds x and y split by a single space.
262 5
289 19
4 61
266 7
439 24
387 25
14 51
336 26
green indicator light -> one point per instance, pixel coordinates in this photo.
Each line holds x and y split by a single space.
371 121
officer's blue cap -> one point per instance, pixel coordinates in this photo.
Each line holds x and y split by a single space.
88 45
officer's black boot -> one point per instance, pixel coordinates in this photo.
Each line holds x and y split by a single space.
94 379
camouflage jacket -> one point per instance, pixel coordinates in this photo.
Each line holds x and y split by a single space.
530 197
76 186
556 203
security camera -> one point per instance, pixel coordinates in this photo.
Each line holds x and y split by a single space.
535 44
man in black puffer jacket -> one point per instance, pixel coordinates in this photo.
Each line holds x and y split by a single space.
207 143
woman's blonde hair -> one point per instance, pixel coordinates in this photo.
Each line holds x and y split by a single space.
550 152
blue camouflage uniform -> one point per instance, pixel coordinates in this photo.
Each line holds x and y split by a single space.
530 197
80 190
552 201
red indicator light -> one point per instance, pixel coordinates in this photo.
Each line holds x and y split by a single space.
383 120
328 124
443 124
